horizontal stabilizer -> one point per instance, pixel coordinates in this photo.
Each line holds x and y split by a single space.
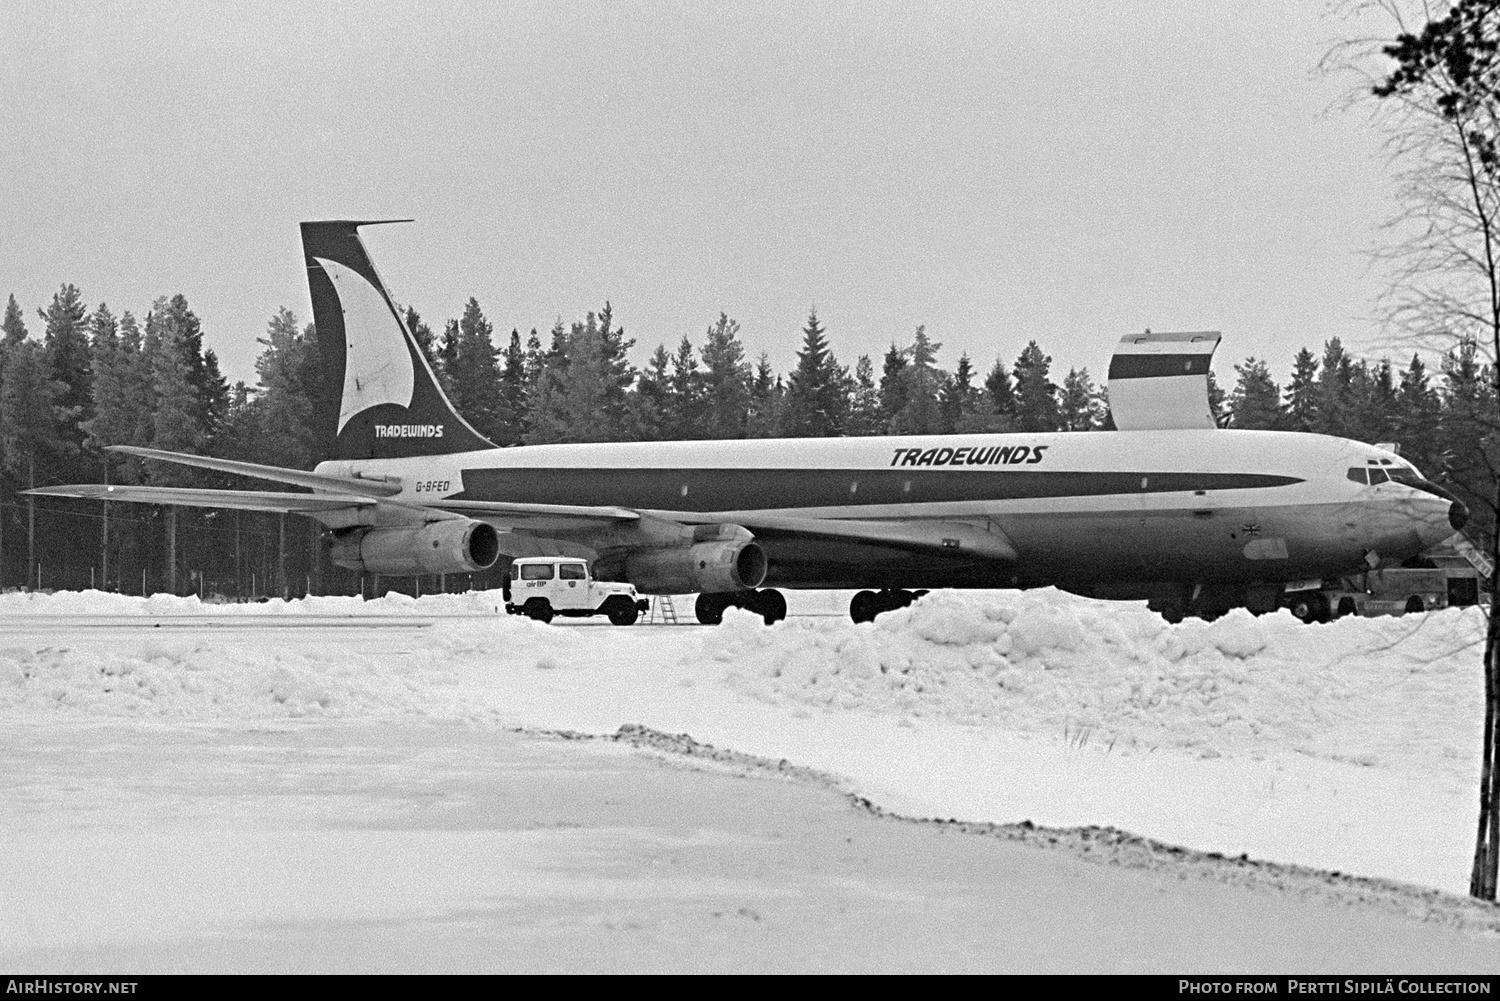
279 474
1159 382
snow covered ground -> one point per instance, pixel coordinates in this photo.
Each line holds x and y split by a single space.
1351 746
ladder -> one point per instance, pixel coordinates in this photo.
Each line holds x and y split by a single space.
663 604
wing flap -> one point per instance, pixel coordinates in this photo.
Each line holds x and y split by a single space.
537 517
957 538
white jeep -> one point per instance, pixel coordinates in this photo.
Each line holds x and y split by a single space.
544 586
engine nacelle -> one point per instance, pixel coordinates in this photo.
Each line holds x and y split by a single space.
737 565
456 546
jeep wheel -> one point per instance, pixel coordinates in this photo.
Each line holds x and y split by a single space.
539 609
623 612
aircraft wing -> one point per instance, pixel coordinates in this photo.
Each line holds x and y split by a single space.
244 500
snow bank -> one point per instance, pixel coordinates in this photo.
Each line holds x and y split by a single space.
96 603
1366 691
1382 692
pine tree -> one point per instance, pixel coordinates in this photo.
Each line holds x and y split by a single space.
997 408
14 325
475 375
289 371
653 391
1472 447
65 345
582 393
511 414
1333 391
1036 394
864 401
173 421
1419 417
726 381
683 416
1255 402
1079 408
766 394
815 403
892 386
921 413
31 427
1302 394
957 395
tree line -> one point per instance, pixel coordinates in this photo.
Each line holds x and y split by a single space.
89 378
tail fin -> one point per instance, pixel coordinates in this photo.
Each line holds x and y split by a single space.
390 405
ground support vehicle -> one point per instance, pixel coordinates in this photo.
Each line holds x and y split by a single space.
1449 577
543 586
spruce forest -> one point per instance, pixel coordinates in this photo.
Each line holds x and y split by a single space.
77 380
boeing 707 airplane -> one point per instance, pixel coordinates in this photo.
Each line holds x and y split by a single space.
1172 509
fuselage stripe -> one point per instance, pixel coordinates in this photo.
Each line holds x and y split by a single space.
772 489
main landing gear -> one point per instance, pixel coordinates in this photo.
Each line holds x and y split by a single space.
768 603
868 604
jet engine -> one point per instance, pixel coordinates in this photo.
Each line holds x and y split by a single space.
456 546
735 565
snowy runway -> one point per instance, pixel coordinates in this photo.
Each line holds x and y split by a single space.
178 754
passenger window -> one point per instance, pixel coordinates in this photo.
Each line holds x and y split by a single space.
572 571
536 571
1357 474
1377 476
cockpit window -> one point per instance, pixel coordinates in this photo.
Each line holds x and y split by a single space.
1357 474
1377 476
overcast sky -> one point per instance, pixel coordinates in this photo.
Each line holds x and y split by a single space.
1068 172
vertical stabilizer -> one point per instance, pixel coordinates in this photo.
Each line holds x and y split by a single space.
1159 382
381 399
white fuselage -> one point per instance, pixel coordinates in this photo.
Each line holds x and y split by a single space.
1199 505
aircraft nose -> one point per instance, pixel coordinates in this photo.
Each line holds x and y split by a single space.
1458 515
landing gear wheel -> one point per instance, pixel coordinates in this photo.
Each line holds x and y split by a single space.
623 613
770 605
864 607
709 608
540 610
1308 606
1415 604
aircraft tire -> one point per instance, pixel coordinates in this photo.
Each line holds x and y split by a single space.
709 608
1308 606
1416 604
770 604
539 609
864 606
